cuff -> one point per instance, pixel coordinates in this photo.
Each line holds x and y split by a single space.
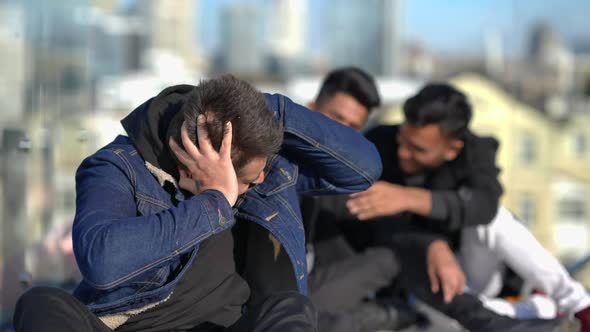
440 211
219 212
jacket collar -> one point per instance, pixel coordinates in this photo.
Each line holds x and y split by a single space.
148 126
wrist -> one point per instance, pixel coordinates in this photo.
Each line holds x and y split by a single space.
218 193
418 200
437 246
231 199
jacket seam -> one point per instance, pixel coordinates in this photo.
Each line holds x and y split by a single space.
149 283
286 204
151 265
152 200
329 188
146 267
119 153
332 153
284 185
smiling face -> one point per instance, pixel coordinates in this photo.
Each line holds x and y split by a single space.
425 147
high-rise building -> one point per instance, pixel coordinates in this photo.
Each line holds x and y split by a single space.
14 222
393 12
287 35
552 65
172 26
543 40
57 45
12 57
287 28
363 33
494 53
242 52
117 43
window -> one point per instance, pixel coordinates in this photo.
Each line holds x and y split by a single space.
572 209
580 145
527 209
527 149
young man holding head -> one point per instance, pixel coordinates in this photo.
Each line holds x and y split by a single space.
192 223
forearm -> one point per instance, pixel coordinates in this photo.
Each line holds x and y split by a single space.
418 201
342 158
438 245
467 207
110 247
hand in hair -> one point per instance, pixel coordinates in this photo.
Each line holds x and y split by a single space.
204 168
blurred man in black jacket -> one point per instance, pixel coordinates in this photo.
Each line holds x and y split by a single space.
446 157
440 178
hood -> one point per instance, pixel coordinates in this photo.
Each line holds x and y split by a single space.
147 126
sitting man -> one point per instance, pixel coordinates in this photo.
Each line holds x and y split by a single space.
192 223
347 95
440 178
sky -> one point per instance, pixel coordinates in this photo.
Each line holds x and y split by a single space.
460 24
445 26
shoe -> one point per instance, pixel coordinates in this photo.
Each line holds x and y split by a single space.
370 317
492 322
470 312
534 325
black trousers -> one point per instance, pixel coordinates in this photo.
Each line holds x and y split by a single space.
343 283
341 279
466 308
52 309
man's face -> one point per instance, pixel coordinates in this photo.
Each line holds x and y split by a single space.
426 147
251 174
344 109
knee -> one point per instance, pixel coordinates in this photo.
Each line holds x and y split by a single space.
293 302
385 260
39 297
290 298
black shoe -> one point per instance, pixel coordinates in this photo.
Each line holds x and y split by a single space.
371 317
537 325
470 312
497 323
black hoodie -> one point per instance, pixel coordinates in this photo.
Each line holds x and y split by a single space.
148 126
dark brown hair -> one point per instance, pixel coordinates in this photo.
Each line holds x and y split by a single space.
256 130
441 104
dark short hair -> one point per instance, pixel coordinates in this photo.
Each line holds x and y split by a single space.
353 82
256 131
442 104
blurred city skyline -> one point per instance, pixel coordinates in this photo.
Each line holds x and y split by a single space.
457 26
427 21
71 69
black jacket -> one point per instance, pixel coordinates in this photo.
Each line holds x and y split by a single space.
468 186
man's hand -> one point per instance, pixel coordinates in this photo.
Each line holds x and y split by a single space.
444 271
205 168
382 199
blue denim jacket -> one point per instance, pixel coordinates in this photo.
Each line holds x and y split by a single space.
133 241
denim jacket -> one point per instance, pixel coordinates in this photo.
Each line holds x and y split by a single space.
133 241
